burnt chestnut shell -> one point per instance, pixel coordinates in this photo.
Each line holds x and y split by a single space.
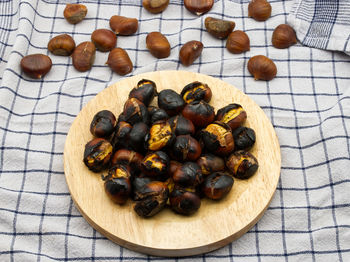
156 164
200 113
121 135
144 91
170 101
103 123
217 185
137 136
181 125
134 111
97 154
128 158
196 91
186 148
210 163
233 115
244 138
160 136
242 164
188 175
157 114
184 202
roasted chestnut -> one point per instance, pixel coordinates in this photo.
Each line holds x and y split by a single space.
217 138
137 136
183 201
244 138
128 158
121 135
188 175
217 185
196 91
159 136
103 124
200 113
157 114
181 125
170 101
134 111
210 163
151 199
97 154
145 91
156 164
117 184
173 166
186 148
242 164
139 182
233 115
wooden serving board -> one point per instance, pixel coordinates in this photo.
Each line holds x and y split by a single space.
216 223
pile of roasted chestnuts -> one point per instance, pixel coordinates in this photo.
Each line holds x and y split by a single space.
170 155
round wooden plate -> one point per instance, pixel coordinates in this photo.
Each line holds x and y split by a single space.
168 234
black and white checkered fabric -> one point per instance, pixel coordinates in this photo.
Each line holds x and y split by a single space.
308 103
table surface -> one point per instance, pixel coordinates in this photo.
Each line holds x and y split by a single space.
307 103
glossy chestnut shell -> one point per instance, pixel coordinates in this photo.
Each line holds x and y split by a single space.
184 202
103 123
244 138
233 115
242 164
144 91
181 125
128 158
121 135
186 148
134 111
160 136
151 198
97 154
217 138
217 185
188 175
196 91
156 164
137 136
210 163
200 113
170 101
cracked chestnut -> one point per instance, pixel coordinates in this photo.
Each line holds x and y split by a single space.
196 91
200 113
217 185
134 111
184 201
157 114
210 163
97 154
186 148
160 136
188 175
244 138
170 101
103 123
233 115
144 91
218 139
181 125
128 158
156 164
242 164
137 136
151 198
121 135
117 184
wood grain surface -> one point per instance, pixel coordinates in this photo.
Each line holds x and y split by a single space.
217 223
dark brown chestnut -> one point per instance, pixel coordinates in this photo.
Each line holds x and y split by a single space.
242 164
122 25
200 113
97 154
196 91
137 136
159 136
233 115
104 39
151 199
128 158
117 184
144 91
121 135
83 56
244 138
198 7
103 123
134 111
157 114
210 163
173 166
190 51
217 185
183 201
217 138
36 65
170 101
186 148
139 182
181 125
156 164
188 175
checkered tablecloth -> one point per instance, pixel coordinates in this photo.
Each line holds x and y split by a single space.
308 103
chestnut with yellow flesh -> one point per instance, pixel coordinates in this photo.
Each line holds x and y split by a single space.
160 135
